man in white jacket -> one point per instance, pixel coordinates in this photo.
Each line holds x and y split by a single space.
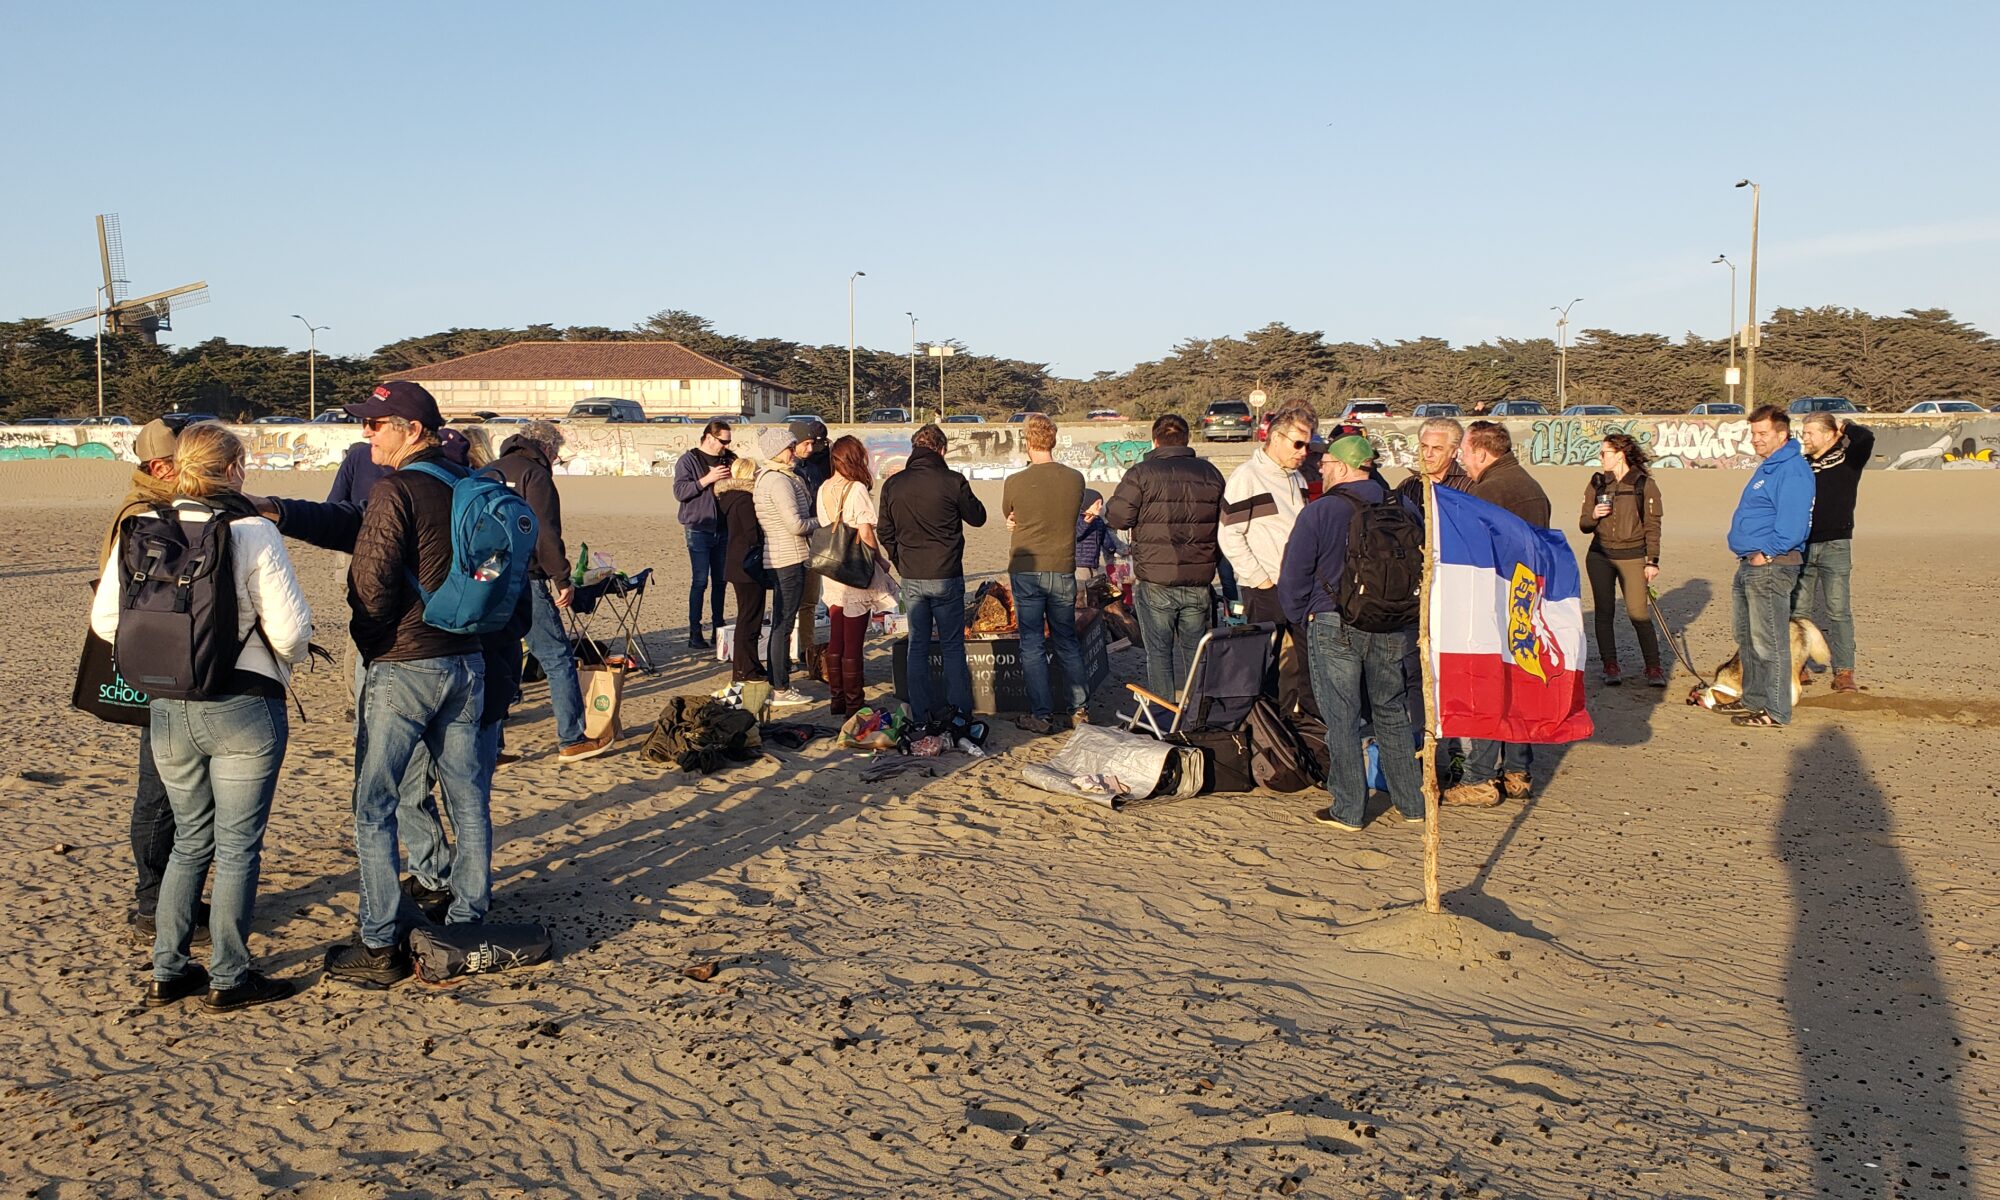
1259 506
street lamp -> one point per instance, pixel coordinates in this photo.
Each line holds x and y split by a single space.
1562 350
1732 376
100 351
941 352
312 354
913 362
850 344
1752 336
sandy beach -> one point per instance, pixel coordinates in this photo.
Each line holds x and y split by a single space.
1701 961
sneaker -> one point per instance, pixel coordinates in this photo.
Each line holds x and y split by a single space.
1472 795
434 903
790 696
255 989
1034 724
1656 677
364 966
1325 816
1410 820
162 992
1843 681
146 927
587 748
1516 785
1613 675
1079 718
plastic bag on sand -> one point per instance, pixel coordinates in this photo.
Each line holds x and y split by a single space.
1112 767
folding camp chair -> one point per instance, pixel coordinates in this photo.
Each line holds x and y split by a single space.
1224 680
617 599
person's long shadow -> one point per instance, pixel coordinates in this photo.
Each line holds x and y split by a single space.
1873 1024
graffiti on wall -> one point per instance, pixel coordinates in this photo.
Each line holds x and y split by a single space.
1961 445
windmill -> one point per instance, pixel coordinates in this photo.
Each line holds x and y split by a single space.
123 313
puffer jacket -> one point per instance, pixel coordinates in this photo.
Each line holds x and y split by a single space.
1507 483
525 466
1632 529
405 531
785 513
736 507
1172 502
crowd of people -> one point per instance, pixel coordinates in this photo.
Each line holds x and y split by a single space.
1273 540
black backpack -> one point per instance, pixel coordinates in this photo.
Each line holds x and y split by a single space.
1280 759
177 609
1383 578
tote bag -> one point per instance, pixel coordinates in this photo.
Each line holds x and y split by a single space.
838 553
102 692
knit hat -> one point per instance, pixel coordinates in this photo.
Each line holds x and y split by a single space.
1090 497
1354 450
773 440
155 440
807 429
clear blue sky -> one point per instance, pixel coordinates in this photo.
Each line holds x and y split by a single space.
1080 184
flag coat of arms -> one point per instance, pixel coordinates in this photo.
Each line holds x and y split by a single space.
1505 626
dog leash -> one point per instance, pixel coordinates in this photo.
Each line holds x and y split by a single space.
1673 639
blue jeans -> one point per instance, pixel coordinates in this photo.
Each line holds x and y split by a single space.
152 829
417 816
219 760
435 703
1826 579
1050 596
1172 619
1763 620
936 610
550 646
788 589
1486 759
707 554
1346 662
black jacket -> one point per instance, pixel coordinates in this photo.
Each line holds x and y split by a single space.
922 517
525 467
1172 502
743 554
405 531
1837 483
1508 484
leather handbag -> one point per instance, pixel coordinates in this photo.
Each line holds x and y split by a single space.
838 553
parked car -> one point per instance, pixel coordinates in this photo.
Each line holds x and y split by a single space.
606 408
1436 410
1593 410
1226 420
1944 406
505 421
1825 404
1017 418
1358 409
279 419
335 416
178 421
1104 414
965 419
1518 408
1716 408
887 416
45 421
668 419
112 420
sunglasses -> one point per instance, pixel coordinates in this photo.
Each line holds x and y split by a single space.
371 424
722 441
1299 445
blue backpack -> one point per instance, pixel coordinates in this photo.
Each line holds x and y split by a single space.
492 541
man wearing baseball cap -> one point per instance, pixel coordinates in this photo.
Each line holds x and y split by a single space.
152 815
1348 662
422 684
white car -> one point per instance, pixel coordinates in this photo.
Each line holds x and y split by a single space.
1944 406
1357 409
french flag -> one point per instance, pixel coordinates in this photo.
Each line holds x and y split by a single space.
1506 626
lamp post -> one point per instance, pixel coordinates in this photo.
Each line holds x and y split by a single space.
913 362
850 344
941 352
100 351
1732 376
1751 336
1562 350
312 356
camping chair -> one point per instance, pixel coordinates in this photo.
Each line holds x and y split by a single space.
1224 680
618 600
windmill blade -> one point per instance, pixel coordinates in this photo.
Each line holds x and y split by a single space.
69 318
184 296
111 253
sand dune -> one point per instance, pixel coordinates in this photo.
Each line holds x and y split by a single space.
1703 961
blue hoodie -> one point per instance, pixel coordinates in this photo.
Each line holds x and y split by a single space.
1775 512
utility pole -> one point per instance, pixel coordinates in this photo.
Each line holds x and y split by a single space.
1732 377
312 357
913 362
1751 334
850 344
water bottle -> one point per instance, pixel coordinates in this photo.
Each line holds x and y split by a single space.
488 571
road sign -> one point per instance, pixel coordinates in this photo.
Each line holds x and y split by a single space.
1257 398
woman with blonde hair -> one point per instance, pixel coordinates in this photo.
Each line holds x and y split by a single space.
844 498
219 757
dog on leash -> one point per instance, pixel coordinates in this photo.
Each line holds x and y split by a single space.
1808 646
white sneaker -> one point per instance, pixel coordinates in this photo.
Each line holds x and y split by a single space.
790 696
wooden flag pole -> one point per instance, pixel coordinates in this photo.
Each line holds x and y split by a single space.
1433 902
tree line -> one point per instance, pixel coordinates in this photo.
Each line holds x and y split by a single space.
1883 363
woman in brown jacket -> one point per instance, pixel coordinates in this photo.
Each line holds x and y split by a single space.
1621 512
